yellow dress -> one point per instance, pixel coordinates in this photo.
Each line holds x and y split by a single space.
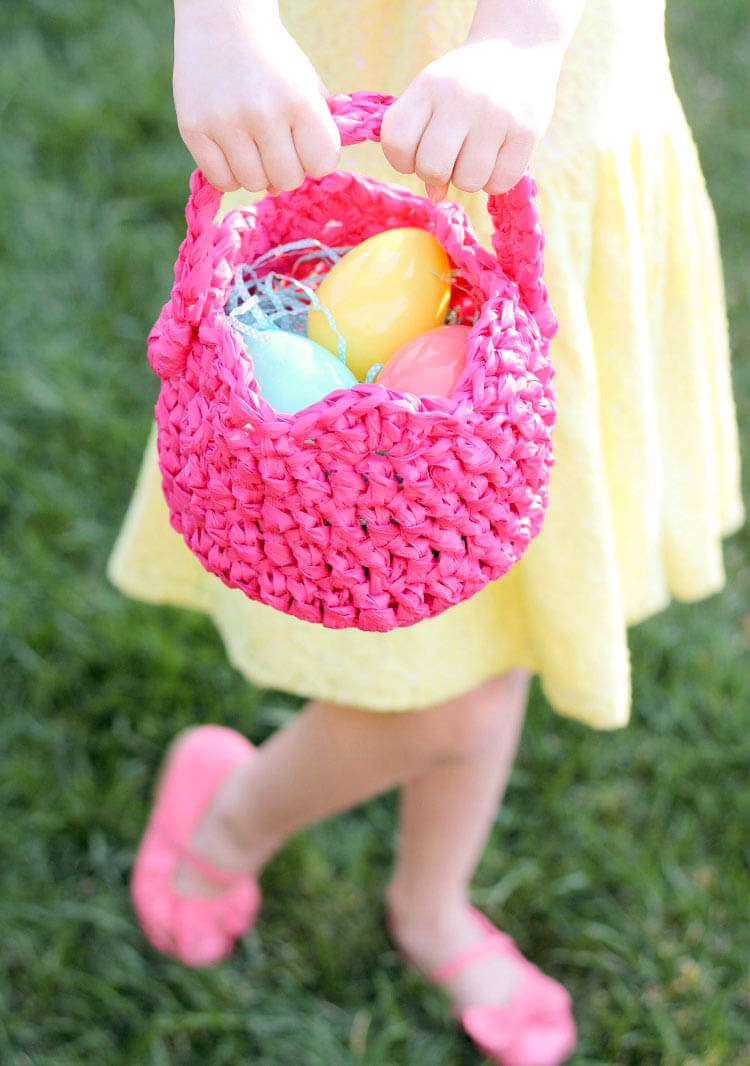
646 479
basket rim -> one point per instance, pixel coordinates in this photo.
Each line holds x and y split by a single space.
456 409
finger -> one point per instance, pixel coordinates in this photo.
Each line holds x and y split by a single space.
212 161
244 159
512 160
438 150
476 160
436 193
403 125
317 143
279 158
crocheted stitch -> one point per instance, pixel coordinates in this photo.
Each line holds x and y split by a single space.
371 508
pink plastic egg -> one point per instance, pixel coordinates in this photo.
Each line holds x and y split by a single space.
428 365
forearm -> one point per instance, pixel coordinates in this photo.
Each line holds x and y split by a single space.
528 23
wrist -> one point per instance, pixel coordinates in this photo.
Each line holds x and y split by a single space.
544 24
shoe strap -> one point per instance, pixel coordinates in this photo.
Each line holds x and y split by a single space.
226 878
495 943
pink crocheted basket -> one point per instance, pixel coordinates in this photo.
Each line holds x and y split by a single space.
371 508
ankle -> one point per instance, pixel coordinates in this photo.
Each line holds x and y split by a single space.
414 909
228 831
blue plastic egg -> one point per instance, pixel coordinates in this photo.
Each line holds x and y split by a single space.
294 372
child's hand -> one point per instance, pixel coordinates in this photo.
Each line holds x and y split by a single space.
473 117
250 107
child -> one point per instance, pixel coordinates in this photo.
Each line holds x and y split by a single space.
644 487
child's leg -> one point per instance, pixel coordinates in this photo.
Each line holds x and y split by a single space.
446 814
447 809
453 761
327 759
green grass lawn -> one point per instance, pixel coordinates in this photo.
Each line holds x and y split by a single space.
619 861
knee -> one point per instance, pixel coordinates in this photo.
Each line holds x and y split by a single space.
466 726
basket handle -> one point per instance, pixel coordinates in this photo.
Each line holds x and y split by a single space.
518 239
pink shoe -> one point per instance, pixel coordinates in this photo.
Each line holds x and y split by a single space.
198 930
534 1027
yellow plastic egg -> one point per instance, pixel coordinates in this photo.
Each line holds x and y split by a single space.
388 289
